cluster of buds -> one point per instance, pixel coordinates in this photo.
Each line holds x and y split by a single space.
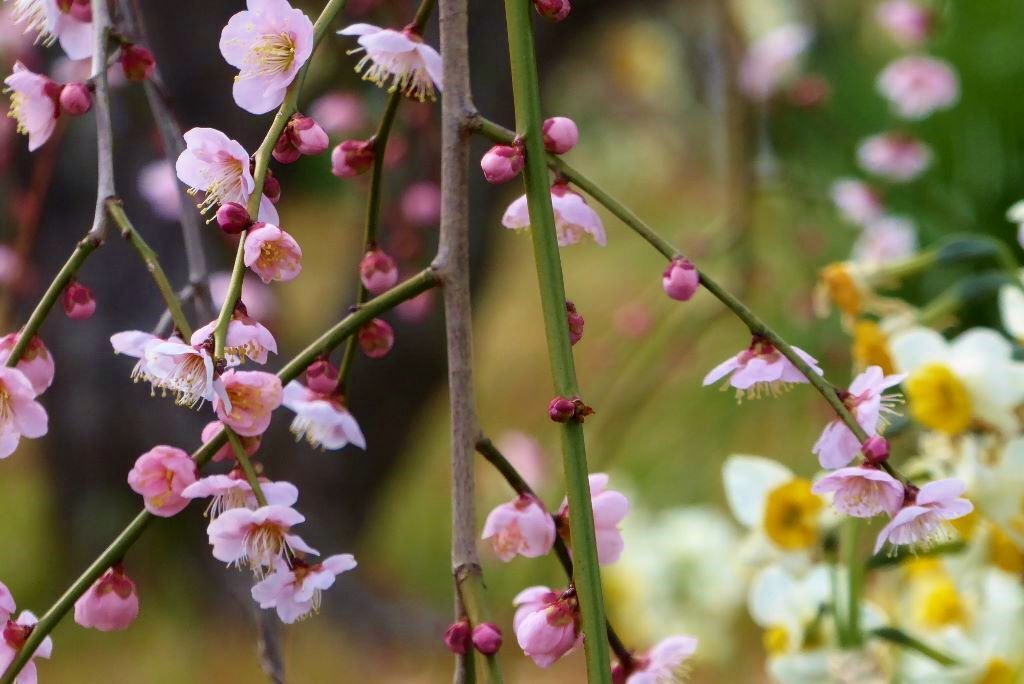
502 163
485 637
302 136
563 410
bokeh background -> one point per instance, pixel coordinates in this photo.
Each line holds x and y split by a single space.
742 186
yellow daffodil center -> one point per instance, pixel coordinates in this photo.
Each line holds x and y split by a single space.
940 605
775 640
998 672
842 288
791 515
870 347
1004 553
939 399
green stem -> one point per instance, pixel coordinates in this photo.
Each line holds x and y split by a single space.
855 580
901 638
246 465
469 582
529 117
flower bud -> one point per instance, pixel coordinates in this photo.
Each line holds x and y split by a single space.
552 10
378 272
81 10
876 450
284 151
233 218
138 62
351 158
306 135
272 187
487 638
75 99
78 301
16 634
322 377
110 604
575 323
680 280
502 163
376 338
457 637
561 410
560 134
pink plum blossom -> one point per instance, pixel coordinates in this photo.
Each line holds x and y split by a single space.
917 86
184 370
321 420
339 112
421 203
862 491
295 591
233 491
151 367
885 240
158 186
573 217
922 520
909 22
251 397
20 413
772 60
662 662
761 369
226 453
13 638
547 624
526 454
413 67
894 156
258 538
36 362
34 104
7 605
218 166
70 23
160 476
110 604
268 43
522 527
837 445
260 301
272 254
856 201
609 507
246 338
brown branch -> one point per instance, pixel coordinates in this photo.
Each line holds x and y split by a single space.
101 108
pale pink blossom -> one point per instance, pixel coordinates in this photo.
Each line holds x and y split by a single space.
922 521
909 22
761 369
272 254
522 526
151 367
837 445
251 397
609 507
258 538
110 604
885 240
7 605
186 371
13 638
260 301
413 67
160 476
857 201
339 113
246 337
773 60
421 203
547 624
574 218
862 491
527 456
20 414
12 266
216 165
34 104
159 187
663 662
36 362
226 453
916 86
295 591
894 156
72 26
233 491
321 420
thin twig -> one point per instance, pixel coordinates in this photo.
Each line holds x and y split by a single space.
101 27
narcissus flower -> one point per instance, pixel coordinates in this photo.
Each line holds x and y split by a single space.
916 86
251 397
269 42
68 22
272 254
36 362
20 413
413 67
34 104
894 156
785 604
160 476
862 492
233 491
547 624
856 201
246 339
321 420
761 369
110 604
573 217
521 527
772 60
295 591
257 538
13 638
837 445
609 507
924 519
663 662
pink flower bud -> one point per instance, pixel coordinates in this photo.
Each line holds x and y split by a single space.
561 410
487 638
284 151
457 637
75 99
322 377
502 163
110 604
552 10
78 301
351 158
233 218
560 134
378 272
306 135
876 449
272 187
680 280
575 323
376 338
81 10
138 62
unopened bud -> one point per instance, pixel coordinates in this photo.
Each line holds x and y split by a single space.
376 338
322 377
233 218
138 62
75 99
306 135
78 301
502 163
81 10
351 158
487 638
560 134
552 10
284 151
378 272
680 280
457 637
15 635
575 323
272 187
561 410
876 450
